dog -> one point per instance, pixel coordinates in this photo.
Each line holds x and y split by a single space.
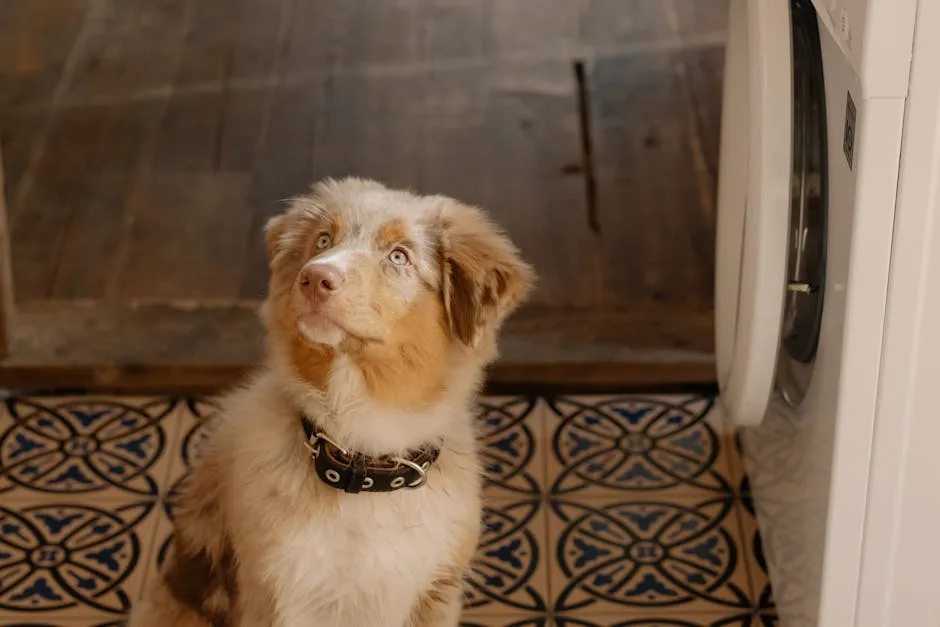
342 485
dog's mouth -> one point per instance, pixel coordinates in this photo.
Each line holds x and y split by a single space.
321 328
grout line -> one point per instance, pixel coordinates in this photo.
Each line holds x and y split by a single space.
548 550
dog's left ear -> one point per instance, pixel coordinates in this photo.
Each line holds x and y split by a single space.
483 279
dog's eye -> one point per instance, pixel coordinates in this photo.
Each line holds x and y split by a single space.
324 241
399 257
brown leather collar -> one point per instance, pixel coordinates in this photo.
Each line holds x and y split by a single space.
352 472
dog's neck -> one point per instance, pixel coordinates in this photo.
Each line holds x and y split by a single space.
345 411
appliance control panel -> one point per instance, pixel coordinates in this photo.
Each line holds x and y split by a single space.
876 36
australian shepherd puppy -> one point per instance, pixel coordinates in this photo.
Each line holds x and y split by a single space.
342 486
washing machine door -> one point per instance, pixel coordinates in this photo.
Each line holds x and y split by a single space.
753 205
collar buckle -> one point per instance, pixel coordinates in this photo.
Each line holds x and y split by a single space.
313 444
421 470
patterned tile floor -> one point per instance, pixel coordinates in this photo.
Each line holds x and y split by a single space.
601 511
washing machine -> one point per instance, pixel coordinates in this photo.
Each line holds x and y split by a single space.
812 124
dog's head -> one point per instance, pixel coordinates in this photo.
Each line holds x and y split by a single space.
401 286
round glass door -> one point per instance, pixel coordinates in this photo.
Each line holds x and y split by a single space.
807 237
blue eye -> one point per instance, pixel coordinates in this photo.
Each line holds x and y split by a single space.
399 257
324 241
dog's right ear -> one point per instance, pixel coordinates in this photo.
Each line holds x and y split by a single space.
274 236
483 279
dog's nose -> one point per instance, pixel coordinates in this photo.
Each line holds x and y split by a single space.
321 280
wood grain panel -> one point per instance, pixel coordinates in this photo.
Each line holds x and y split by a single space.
167 253
36 37
656 235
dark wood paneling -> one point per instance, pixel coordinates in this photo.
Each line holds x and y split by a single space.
656 232
131 46
166 252
700 17
36 37
19 132
182 126
97 221
704 73
284 169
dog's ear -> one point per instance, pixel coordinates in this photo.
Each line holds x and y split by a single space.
482 277
274 235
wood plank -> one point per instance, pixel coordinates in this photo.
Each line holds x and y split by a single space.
188 232
261 37
197 347
370 127
474 99
353 34
92 233
454 31
531 141
700 17
531 31
703 76
189 135
284 169
36 37
132 47
612 24
257 56
19 130
212 124
188 138
657 235
505 138
65 179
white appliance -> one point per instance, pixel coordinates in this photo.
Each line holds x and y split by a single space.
828 300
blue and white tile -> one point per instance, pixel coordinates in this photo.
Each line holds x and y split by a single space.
663 619
96 446
514 446
510 571
605 446
645 556
510 620
65 561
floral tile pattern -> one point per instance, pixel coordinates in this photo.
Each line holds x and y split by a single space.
78 446
509 572
511 428
623 510
63 559
637 445
614 554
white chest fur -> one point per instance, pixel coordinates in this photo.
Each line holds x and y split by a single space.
330 558
366 562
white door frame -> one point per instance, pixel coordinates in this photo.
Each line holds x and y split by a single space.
901 547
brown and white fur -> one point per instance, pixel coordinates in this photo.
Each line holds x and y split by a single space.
382 311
